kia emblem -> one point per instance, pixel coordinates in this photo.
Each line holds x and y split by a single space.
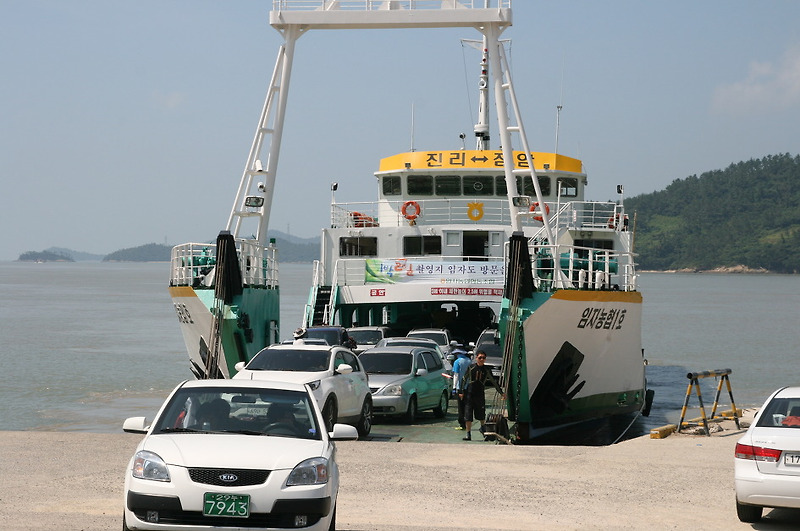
228 478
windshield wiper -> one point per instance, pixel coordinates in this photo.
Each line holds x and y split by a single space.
179 430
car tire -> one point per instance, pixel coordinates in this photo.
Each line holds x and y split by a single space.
440 411
330 413
411 412
748 513
365 422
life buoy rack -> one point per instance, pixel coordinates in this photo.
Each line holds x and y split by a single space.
533 209
411 210
362 220
613 221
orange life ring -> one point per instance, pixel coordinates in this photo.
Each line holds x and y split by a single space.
533 209
613 221
411 216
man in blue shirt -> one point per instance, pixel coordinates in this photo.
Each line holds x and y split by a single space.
460 366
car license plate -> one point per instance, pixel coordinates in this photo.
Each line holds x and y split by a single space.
235 505
791 459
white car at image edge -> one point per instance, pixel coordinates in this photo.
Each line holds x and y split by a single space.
767 457
228 454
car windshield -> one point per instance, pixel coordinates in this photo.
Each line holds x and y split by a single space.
255 411
439 337
366 337
280 359
386 362
781 413
329 335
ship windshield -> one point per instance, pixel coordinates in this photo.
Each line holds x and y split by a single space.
386 362
277 359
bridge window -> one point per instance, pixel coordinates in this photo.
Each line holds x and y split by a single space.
480 185
358 246
568 186
448 185
422 245
391 185
420 184
500 185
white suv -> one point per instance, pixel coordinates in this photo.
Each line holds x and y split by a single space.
334 374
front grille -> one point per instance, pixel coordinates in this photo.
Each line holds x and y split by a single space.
212 476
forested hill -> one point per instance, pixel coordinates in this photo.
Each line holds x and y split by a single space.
747 214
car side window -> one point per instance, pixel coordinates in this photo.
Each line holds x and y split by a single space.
420 361
431 361
338 360
350 359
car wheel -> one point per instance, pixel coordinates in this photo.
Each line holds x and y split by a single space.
748 513
440 411
411 412
365 422
330 413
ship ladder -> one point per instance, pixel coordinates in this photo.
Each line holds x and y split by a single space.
694 378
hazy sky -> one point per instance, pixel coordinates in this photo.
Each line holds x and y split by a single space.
125 123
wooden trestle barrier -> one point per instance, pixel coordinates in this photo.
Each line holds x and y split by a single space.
693 377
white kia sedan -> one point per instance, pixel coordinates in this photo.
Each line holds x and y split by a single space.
767 461
234 454
336 377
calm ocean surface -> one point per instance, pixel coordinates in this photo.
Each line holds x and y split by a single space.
85 345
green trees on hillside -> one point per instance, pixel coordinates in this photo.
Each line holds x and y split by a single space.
747 214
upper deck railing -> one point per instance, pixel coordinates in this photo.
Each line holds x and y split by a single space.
575 215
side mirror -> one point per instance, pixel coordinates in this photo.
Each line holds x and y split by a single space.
239 366
421 372
135 425
343 432
450 357
344 368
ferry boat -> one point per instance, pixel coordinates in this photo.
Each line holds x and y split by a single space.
467 239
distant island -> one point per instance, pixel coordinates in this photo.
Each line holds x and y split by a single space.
44 256
290 249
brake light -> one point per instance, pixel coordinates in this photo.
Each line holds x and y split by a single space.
757 453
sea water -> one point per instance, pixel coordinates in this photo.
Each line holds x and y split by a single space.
84 345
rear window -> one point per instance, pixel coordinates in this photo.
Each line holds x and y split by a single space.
781 413
366 337
386 362
273 359
439 337
330 335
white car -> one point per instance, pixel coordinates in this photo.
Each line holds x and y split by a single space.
336 377
767 460
234 454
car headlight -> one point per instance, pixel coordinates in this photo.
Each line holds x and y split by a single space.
393 390
147 465
312 471
314 385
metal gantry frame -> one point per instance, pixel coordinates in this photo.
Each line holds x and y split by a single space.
293 18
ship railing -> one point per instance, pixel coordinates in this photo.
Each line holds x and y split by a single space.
192 264
576 215
475 211
380 5
581 267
